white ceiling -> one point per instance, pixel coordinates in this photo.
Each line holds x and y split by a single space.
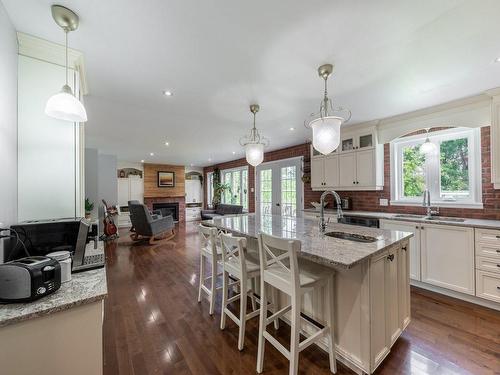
218 56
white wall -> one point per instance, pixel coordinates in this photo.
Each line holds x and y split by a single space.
47 168
91 178
107 180
8 119
8 122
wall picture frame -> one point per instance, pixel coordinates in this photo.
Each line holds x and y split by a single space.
166 179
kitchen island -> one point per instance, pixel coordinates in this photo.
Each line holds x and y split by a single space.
372 289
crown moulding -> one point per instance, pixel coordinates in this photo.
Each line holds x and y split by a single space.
54 53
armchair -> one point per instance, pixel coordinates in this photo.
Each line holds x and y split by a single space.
146 225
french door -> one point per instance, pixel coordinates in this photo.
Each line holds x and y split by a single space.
279 188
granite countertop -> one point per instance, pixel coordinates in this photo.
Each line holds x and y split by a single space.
316 247
475 223
84 287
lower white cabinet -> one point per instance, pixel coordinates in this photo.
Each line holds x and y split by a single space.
448 257
414 254
193 213
390 301
488 285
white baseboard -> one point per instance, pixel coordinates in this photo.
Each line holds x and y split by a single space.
458 295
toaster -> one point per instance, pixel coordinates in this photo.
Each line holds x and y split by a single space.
28 279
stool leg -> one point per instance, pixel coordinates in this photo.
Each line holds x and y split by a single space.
295 335
202 275
262 325
276 306
225 279
252 295
243 313
330 290
213 291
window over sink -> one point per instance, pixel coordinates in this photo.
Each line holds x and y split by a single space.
452 173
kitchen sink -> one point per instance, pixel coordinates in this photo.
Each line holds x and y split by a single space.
351 237
444 218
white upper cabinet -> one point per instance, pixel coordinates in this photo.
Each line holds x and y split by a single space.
358 163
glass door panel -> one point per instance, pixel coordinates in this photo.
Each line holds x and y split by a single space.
289 191
266 192
366 141
279 188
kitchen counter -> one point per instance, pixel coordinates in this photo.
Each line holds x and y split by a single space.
474 223
84 287
316 246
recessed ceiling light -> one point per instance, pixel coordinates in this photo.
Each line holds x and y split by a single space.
497 60
168 93
167 144
209 159
292 129
142 161
192 165
151 154
234 152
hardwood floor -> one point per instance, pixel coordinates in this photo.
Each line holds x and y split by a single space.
154 325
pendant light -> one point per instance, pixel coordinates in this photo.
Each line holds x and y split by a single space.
326 124
428 148
64 105
254 143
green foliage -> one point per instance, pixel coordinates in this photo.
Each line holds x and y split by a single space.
413 172
454 165
218 188
89 206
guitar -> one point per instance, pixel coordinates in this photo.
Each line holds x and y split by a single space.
109 228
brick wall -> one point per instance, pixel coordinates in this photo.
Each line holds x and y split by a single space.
369 200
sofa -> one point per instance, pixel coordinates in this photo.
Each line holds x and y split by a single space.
221 210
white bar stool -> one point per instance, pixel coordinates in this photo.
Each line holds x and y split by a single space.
280 268
236 264
211 252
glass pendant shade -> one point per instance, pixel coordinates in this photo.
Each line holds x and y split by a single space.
254 153
65 106
428 148
326 133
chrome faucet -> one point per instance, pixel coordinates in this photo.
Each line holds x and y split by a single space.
427 204
322 224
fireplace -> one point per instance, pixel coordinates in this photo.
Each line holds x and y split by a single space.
168 209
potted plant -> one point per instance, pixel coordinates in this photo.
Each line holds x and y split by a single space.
219 189
89 206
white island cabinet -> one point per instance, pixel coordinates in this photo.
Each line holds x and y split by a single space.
372 292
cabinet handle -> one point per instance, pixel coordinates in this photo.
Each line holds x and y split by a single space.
498 251
390 257
498 265
497 236
422 228
404 248
498 287
357 182
416 227
354 182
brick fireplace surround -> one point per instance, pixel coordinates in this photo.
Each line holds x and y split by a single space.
181 200
369 200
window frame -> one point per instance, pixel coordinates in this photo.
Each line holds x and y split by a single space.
210 188
242 194
474 200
